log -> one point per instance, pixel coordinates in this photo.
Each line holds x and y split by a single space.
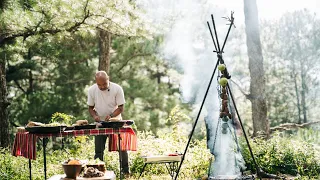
290 126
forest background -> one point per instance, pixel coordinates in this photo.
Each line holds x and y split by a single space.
51 50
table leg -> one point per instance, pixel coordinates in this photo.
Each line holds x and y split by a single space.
44 144
142 170
30 169
172 168
120 157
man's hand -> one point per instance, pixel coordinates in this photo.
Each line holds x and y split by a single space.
94 114
96 118
108 117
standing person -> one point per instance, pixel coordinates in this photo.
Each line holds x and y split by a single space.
106 100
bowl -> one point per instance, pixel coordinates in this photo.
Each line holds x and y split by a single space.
72 170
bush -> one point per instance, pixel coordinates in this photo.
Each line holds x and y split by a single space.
283 155
278 155
195 164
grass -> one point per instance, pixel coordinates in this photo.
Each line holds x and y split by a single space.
291 155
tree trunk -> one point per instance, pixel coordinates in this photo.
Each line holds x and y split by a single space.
104 45
297 95
303 92
4 121
257 84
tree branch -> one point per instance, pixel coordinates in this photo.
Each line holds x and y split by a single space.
31 32
248 96
290 126
132 57
19 87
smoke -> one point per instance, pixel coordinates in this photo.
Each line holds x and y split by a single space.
188 45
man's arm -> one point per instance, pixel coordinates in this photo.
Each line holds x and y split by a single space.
93 114
116 112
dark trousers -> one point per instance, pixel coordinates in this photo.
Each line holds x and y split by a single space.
100 144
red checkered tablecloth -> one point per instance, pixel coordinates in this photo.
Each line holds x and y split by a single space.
25 142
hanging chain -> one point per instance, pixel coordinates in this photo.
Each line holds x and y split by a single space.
216 133
233 121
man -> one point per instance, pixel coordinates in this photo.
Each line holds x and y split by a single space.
105 101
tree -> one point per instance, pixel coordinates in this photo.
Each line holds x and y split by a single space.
24 19
104 47
147 79
50 77
257 83
292 57
4 130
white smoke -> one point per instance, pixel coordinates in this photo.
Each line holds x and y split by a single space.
188 43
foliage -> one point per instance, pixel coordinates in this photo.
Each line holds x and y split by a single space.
290 49
283 155
62 118
52 75
29 18
279 155
311 135
195 164
291 56
57 80
46 51
149 83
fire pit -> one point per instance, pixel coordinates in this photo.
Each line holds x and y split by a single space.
229 177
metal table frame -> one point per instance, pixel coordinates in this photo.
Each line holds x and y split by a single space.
171 165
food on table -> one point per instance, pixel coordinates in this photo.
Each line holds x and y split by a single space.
33 124
81 123
74 162
92 172
100 165
114 119
39 124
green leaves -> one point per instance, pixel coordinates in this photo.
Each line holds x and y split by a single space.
60 16
62 118
145 77
283 155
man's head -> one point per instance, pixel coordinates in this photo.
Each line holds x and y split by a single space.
102 80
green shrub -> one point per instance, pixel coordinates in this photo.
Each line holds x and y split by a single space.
195 164
12 167
283 155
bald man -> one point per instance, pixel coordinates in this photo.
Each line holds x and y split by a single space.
106 100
